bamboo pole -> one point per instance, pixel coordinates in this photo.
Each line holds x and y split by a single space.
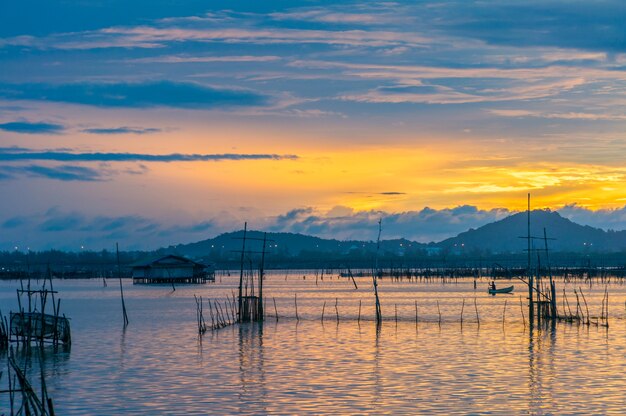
476 309
439 312
462 308
585 302
243 250
375 276
119 274
396 311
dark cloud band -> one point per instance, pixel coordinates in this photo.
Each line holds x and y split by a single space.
122 130
134 95
10 156
26 127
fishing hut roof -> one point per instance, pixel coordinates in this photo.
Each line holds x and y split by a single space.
170 260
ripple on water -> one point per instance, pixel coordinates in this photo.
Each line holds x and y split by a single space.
158 365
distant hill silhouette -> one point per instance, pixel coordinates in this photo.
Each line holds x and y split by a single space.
502 236
289 244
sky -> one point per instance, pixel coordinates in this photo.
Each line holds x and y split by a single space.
155 123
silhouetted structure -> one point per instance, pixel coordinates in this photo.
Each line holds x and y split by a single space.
171 269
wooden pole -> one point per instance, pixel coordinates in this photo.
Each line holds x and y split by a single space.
352 277
529 271
462 307
476 309
375 277
261 277
439 312
119 275
243 249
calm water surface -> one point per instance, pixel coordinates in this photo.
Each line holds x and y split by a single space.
158 365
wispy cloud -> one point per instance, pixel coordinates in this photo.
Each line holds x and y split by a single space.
563 116
11 154
134 95
325 15
26 127
122 130
159 37
61 173
424 226
184 59
60 228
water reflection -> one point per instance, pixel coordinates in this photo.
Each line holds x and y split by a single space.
253 390
377 384
161 366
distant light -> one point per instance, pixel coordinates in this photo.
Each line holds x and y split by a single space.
15 247
82 247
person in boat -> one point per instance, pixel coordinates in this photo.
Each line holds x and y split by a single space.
493 285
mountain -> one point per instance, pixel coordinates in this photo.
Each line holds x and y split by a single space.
229 245
504 235
498 237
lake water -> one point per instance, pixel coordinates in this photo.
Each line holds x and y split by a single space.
159 365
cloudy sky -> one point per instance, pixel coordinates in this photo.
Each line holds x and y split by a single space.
161 122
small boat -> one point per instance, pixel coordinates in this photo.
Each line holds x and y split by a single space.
507 289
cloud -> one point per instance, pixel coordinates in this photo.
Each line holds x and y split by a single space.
193 228
159 36
58 228
62 172
183 59
607 219
563 116
12 155
585 25
61 222
15 222
26 127
122 130
424 226
134 95
326 16
62 229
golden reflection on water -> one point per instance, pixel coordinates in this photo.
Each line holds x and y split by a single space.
158 365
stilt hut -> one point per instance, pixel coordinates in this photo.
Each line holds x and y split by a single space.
171 269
